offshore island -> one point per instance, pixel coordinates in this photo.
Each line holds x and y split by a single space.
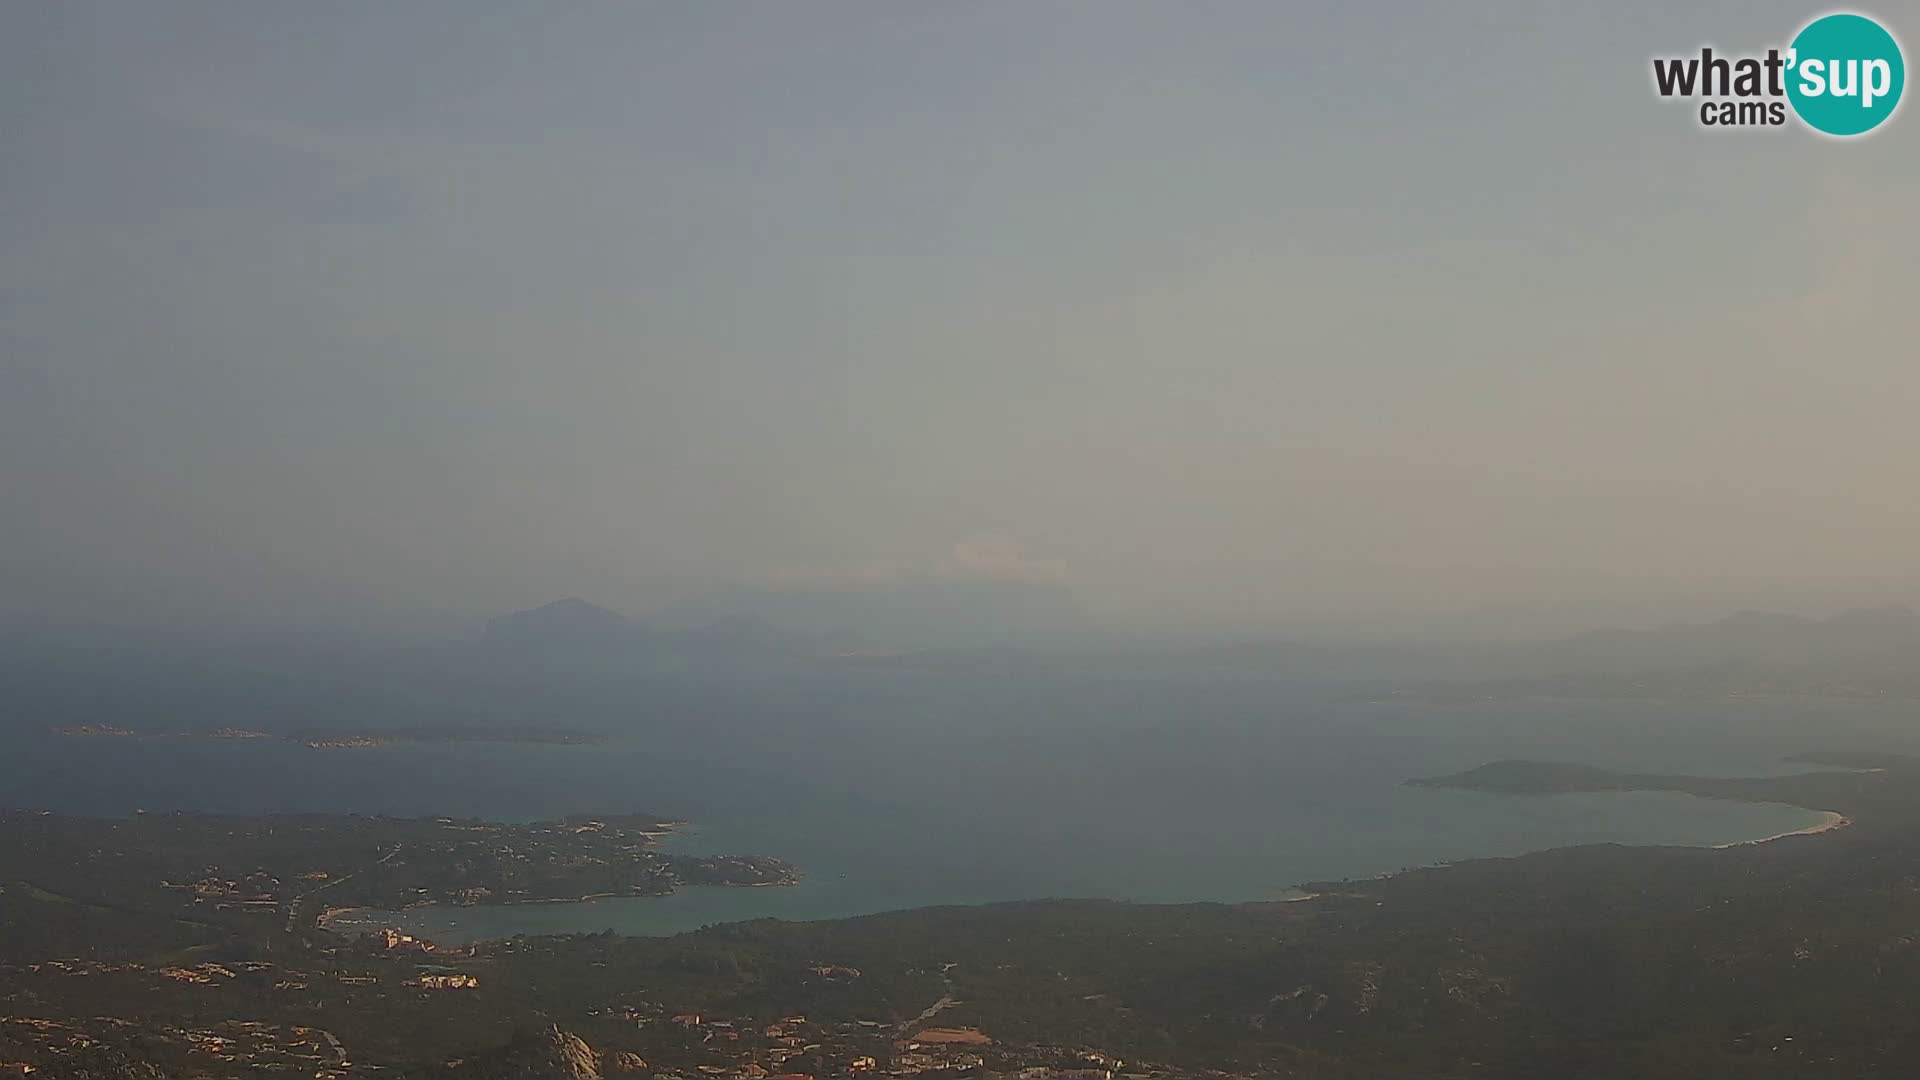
348 738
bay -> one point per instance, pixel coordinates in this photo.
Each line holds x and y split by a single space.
894 791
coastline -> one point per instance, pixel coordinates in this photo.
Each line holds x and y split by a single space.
1795 803
1830 820
327 918
1307 892
356 916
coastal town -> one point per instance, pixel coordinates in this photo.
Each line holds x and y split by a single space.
207 946
311 868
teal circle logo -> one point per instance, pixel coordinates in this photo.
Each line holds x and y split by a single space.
1845 74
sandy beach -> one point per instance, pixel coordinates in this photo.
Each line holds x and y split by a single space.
1829 821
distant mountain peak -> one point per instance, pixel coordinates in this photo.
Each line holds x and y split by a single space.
568 619
572 605
1890 617
1750 637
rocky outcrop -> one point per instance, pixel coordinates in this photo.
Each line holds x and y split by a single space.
544 1054
626 1063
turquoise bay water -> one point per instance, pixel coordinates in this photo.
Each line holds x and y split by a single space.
892 792
1454 825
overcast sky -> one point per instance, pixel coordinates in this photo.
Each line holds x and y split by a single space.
1235 312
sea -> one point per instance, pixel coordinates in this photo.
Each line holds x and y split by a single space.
893 790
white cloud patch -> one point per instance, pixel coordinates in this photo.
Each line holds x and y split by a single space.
990 556
997 557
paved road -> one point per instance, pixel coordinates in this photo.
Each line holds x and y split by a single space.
293 908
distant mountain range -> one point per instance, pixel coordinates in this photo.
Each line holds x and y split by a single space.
576 665
568 620
572 637
1866 653
908 615
1864 634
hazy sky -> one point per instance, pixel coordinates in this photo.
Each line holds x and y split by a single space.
1237 311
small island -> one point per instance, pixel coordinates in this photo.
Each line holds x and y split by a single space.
351 738
1841 776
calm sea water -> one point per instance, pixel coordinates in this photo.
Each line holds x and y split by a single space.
902 791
